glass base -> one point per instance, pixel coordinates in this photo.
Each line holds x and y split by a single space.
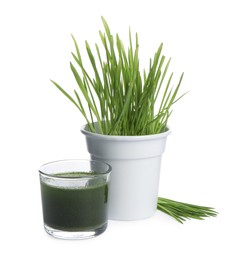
74 234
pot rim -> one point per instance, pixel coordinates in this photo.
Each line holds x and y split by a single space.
126 137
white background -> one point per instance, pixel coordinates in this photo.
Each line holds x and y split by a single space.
204 159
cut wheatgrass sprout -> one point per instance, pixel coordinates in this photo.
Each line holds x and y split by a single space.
182 211
124 101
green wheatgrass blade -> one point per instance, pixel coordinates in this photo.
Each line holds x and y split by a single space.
104 96
85 74
130 53
166 95
111 42
66 94
86 79
83 89
187 204
77 49
158 76
182 211
170 213
125 107
93 63
124 68
162 124
106 27
156 119
122 53
162 77
87 87
176 90
156 59
113 73
78 59
91 126
149 86
97 86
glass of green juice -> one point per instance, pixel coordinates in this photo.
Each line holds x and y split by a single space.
75 198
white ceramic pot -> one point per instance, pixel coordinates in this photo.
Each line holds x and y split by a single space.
135 162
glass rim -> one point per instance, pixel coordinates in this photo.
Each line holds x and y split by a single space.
96 175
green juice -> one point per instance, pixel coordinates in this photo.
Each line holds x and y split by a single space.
74 209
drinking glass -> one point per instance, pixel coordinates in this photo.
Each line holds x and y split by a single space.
75 198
